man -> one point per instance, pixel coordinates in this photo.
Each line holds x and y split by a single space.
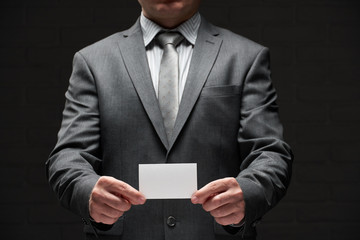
225 119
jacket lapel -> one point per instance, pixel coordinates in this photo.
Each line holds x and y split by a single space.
205 52
134 56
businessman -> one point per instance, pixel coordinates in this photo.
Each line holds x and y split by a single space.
171 89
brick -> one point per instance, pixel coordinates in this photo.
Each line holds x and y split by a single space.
120 18
312 153
24 156
299 112
230 3
294 34
325 54
344 73
328 134
29 36
72 231
345 231
13 214
45 96
41 3
329 173
289 132
115 3
285 89
76 3
281 55
311 73
44 136
11 96
52 56
219 15
348 13
249 31
49 213
345 34
346 152
307 192
335 133
328 212
60 16
29 76
283 213
11 17
109 3
7 176
293 231
41 115
264 14
12 3
36 176
346 113
27 231
281 74
345 192
329 93
12 136
27 195
84 36
12 57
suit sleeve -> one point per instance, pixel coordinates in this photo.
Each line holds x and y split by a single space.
266 158
73 164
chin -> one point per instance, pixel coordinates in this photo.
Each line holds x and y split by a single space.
173 10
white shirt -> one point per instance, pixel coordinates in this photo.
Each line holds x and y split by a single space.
188 29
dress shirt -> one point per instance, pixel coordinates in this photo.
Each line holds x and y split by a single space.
188 29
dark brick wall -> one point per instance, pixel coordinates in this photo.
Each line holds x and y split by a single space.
315 63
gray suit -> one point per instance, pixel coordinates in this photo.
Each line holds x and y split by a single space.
227 123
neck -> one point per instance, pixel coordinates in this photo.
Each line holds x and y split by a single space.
168 23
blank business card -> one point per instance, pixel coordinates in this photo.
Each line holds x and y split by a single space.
168 181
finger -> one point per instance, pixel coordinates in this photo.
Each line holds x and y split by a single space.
124 190
234 218
227 210
101 196
217 201
106 210
209 190
117 202
224 210
130 194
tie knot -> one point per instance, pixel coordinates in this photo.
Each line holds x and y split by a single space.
173 38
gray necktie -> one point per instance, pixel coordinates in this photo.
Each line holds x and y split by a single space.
168 94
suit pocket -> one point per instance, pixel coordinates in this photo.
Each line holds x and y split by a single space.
221 91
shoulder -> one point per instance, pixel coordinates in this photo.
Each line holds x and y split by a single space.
108 46
233 42
102 47
239 43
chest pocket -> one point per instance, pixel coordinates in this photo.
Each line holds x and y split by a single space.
221 91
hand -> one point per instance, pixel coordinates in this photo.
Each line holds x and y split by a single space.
110 198
224 200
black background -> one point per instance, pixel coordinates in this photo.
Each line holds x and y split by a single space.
315 64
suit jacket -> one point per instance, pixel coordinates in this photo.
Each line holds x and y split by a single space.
227 123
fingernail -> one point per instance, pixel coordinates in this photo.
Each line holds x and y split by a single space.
142 200
194 199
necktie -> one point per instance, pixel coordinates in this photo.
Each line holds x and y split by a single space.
168 92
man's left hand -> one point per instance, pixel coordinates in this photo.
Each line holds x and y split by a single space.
224 200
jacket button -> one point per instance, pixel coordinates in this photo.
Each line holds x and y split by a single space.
171 221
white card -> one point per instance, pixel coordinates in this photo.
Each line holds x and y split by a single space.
168 181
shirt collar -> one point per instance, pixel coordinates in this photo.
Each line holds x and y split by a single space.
188 29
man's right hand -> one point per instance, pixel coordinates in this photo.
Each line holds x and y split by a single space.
110 198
